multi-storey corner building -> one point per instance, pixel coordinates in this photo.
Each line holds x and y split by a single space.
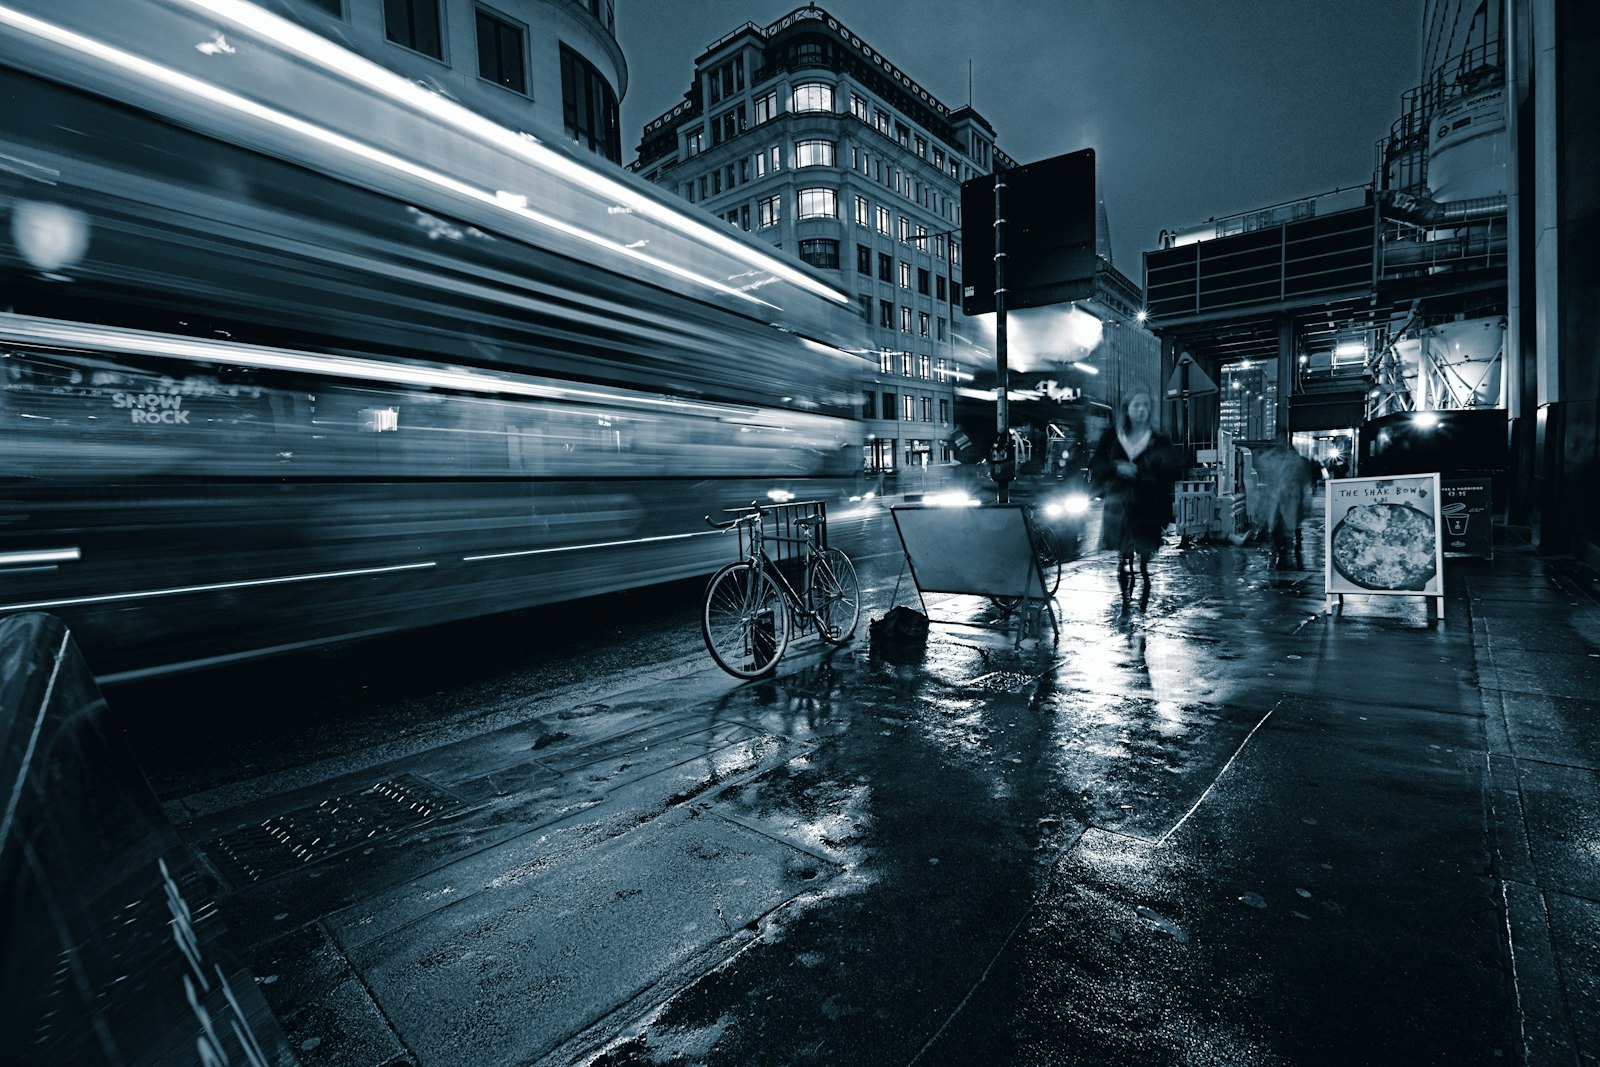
808 136
551 68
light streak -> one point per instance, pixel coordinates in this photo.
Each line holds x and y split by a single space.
173 79
213 587
363 71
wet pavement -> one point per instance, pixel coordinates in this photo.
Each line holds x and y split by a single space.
1211 825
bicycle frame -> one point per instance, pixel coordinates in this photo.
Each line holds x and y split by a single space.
798 549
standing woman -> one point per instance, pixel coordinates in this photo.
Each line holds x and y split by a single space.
1134 467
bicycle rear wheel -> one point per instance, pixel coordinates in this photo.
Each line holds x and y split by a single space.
1047 546
835 595
745 621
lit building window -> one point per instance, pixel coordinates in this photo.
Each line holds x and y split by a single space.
858 107
886 360
818 204
863 213
815 153
766 108
905 322
905 275
813 96
767 212
883 221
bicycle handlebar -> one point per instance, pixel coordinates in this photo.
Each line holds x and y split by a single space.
755 508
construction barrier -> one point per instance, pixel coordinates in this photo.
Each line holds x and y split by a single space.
1195 508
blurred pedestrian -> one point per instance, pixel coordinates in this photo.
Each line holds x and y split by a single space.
1287 481
1133 469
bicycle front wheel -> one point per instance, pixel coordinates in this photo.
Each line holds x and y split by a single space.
745 621
835 596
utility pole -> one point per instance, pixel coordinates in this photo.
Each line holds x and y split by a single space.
1001 461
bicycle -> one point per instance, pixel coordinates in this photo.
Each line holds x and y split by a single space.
751 610
1047 548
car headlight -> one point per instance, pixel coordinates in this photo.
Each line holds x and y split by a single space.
1068 507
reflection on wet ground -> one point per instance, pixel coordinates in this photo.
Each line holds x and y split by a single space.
1208 825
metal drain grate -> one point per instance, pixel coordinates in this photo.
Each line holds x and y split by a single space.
311 835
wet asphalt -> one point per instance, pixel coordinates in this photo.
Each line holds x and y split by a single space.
1213 824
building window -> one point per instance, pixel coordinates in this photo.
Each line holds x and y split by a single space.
820 252
863 213
589 106
812 96
863 260
885 268
814 154
944 410
728 125
922 330
901 133
938 157
908 408
726 80
905 228
886 315
923 278
938 290
768 212
500 52
818 204
924 365
890 402
872 403
744 221
415 25
858 107
886 361
905 364
927 409
865 300
694 143
939 326
768 160
883 221
905 275
921 143
766 108
905 325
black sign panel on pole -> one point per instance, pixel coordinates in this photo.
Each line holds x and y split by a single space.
1051 211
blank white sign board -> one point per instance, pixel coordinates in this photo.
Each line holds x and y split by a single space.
981 551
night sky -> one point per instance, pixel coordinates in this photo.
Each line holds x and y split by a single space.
1195 109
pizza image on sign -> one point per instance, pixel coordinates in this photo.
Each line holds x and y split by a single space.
1385 546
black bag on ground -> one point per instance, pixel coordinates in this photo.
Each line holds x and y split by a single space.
901 626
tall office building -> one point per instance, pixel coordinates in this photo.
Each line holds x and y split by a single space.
808 136
552 68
